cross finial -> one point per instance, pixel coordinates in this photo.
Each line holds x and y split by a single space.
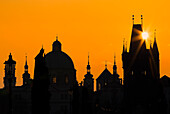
57 37
105 64
88 58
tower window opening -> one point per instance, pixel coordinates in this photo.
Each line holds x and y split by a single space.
54 80
66 79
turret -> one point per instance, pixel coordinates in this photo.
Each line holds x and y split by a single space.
9 78
88 80
26 75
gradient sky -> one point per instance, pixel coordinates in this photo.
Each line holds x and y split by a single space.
94 26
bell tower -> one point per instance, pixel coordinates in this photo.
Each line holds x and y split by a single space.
88 80
26 75
9 79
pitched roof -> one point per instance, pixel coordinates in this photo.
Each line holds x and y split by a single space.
105 74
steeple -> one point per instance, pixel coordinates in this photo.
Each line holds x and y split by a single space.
88 66
88 80
26 66
155 47
9 72
26 75
114 66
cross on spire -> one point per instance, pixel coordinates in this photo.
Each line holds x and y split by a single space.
57 37
105 64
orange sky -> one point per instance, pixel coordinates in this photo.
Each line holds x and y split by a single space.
95 26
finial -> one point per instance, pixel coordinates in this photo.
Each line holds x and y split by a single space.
123 44
105 64
88 58
155 35
126 46
42 46
133 18
142 19
114 59
26 60
57 37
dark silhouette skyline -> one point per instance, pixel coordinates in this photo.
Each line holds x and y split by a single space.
55 89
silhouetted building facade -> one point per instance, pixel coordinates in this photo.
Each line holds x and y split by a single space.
62 77
143 92
55 90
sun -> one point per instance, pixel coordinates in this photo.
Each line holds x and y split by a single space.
145 35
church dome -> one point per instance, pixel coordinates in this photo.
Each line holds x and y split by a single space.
57 59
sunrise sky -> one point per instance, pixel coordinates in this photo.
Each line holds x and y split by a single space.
94 26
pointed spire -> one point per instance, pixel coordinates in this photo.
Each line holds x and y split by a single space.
26 61
114 59
88 66
155 35
88 58
26 66
114 66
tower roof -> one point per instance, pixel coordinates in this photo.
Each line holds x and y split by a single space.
56 45
10 60
155 47
105 74
26 66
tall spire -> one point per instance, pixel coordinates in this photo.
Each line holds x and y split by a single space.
155 35
88 66
114 66
26 66
114 59
88 58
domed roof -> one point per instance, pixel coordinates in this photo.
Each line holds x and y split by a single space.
57 59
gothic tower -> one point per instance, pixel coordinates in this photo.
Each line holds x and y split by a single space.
26 75
9 78
141 74
155 54
88 80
